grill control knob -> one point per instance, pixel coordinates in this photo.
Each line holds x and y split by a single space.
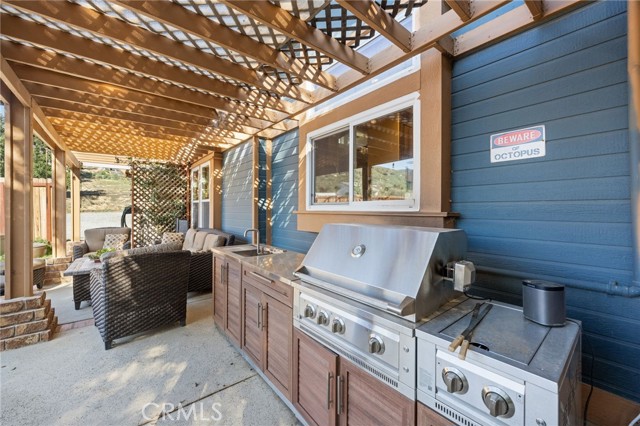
454 380
323 318
498 402
309 311
376 345
337 326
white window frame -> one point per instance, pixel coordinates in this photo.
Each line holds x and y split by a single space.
410 100
200 199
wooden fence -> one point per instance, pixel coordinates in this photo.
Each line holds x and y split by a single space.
42 191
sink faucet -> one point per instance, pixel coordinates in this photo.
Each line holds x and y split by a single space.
256 238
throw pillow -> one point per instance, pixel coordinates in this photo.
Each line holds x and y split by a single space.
115 241
172 237
213 240
188 239
198 241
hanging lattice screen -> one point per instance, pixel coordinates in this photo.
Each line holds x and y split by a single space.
159 197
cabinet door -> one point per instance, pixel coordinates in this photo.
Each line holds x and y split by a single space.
234 313
219 291
278 337
314 379
252 323
427 417
367 401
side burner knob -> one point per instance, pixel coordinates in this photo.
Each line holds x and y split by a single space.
337 326
323 318
454 380
309 311
376 345
498 402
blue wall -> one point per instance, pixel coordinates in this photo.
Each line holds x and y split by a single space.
284 191
565 216
262 190
237 190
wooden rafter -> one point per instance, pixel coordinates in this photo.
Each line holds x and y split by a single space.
284 22
63 120
56 104
377 18
536 7
511 22
60 70
461 7
193 23
50 38
86 19
88 99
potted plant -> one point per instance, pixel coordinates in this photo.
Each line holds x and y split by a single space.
41 248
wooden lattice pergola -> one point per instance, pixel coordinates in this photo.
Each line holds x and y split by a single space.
175 80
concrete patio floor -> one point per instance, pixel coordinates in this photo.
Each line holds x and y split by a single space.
191 373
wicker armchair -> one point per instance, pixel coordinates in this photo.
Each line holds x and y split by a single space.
138 292
201 272
94 240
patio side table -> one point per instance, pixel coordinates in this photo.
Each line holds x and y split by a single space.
80 269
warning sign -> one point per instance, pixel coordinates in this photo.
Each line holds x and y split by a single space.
518 144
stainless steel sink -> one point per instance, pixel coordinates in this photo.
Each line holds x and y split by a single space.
253 252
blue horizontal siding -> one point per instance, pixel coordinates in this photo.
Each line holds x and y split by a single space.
237 190
565 216
284 194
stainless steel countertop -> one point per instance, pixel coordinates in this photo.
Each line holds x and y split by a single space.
277 266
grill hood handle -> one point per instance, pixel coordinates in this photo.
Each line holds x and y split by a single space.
406 307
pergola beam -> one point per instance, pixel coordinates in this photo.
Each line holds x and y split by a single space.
75 74
507 24
58 40
200 26
88 120
63 105
536 8
377 18
86 19
296 28
462 8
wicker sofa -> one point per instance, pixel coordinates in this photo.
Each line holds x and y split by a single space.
201 271
139 289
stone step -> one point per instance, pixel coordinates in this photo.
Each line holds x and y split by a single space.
30 327
58 267
25 316
26 339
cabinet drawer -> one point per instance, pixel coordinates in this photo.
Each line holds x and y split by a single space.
276 289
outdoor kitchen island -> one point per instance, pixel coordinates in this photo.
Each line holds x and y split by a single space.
254 306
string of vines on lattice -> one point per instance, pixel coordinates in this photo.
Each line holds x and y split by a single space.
158 198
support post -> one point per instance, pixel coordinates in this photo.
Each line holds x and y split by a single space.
75 204
59 204
18 206
255 197
216 191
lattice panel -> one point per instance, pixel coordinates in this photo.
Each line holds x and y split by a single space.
159 197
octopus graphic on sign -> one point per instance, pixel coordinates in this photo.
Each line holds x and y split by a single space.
518 144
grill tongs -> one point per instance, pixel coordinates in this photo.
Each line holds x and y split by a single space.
478 313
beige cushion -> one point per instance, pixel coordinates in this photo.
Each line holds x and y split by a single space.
213 240
94 237
198 241
188 239
172 237
115 241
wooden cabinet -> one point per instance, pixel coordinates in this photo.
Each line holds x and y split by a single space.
267 327
315 370
365 401
328 389
427 417
226 296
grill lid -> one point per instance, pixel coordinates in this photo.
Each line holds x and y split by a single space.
394 268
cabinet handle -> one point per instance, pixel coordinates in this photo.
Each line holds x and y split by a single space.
329 377
223 270
260 277
259 316
339 394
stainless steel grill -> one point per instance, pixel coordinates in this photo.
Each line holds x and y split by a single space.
364 289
